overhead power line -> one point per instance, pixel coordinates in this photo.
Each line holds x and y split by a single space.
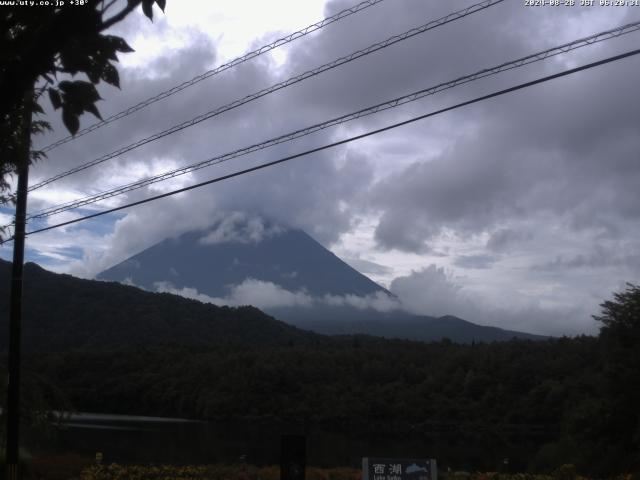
520 62
278 86
347 140
226 66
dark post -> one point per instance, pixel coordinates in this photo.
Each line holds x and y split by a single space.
293 457
15 302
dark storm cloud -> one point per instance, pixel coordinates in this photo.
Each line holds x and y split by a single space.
460 192
560 149
503 238
307 194
481 261
598 257
450 50
137 85
438 55
314 193
565 147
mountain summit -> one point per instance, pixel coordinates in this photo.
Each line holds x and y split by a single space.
239 250
249 261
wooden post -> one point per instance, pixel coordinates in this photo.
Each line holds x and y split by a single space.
293 457
15 302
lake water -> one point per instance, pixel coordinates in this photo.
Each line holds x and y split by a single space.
145 440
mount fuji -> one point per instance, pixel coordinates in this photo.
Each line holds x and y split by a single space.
244 260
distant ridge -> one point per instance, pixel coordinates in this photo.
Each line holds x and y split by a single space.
398 324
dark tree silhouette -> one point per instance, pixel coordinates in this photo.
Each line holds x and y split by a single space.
620 339
38 43
621 315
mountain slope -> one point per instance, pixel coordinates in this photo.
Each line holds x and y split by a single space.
296 279
289 258
63 312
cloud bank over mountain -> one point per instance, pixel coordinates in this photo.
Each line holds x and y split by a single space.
520 209
274 267
266 295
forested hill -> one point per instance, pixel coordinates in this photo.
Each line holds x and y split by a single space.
557 400
63 312
540 403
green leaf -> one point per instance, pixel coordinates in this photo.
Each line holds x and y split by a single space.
37 155
37 108
65 86
119 43
40 126
83 92
93 72
70 120
108 51
74 56
110 75
93 109
147 8
78 97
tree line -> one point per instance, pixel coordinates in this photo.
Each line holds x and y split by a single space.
559 399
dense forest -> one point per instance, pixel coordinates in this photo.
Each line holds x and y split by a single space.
568 400
558 397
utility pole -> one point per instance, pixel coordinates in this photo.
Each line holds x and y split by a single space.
15 303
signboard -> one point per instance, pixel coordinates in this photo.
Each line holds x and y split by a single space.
398 469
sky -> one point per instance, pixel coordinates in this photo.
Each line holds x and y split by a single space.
521 211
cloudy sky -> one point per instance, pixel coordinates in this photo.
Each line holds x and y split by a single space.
521 211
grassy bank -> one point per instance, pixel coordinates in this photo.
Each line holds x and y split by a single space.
248 472
73 467
209 472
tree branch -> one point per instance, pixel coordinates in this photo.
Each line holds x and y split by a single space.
120 15
108 6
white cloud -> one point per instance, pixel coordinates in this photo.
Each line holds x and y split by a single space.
239 227
254 292
187 292
234 27
266 295
433 291
379 301
5 218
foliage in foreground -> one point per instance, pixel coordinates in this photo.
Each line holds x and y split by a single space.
206 472
250 472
